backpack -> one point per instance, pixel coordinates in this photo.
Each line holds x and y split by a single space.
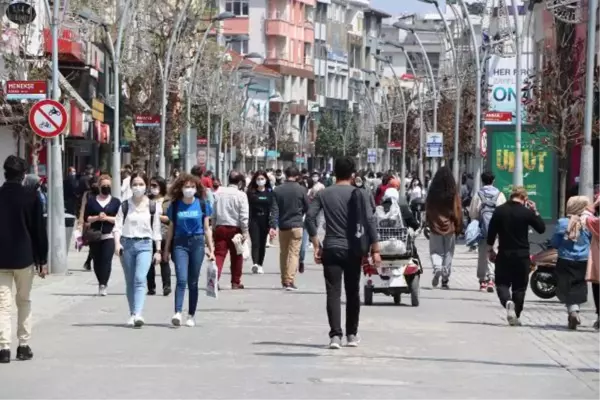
125 209
359 240
175 207
486 210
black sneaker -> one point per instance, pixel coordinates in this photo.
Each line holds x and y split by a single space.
4 356
24 353
87 266
151 292
166 291
301 268
445 285
290 287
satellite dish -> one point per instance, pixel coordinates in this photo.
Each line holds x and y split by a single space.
20 12
568 11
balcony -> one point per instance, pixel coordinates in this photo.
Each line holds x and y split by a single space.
277 58
309 34
277 27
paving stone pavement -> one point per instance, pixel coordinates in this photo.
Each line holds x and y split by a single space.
262 343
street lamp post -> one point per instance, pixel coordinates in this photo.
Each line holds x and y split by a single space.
457 105
411 67
411 29
518 172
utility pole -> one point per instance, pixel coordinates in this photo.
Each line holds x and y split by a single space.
518 172
56 211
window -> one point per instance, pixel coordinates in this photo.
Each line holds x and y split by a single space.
240 46
237 7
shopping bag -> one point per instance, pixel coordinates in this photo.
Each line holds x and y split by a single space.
473 233
212 280
246 251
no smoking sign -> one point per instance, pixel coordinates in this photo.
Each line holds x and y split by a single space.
48 118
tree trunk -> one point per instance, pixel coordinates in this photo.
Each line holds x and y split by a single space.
562 193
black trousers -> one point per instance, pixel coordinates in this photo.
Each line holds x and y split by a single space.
259 229
596 292
165 272
102 255
512 274
338 264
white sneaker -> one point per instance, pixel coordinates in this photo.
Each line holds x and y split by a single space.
138 321
257 269
511 315
190 322
176 319
102 290
130 321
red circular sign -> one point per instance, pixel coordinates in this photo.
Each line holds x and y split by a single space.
48 118
483 143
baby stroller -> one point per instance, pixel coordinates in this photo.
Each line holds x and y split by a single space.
401 268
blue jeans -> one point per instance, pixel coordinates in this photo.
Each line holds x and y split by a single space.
303 245
136 260
188 255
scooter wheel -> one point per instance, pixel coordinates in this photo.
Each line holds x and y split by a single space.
543 285
414 286
368 296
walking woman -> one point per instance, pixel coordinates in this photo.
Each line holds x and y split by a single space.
99 215
92 192
592 223
260 198
444 217
572 241
137 226
188 234
158 192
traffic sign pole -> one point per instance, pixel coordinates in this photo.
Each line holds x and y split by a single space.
56 209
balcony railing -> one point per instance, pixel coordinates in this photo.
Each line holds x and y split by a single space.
278 15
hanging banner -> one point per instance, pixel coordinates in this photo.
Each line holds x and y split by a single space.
539 169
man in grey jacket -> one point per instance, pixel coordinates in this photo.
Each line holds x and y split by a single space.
289 207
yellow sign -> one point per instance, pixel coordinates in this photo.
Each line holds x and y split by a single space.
532 161
97 110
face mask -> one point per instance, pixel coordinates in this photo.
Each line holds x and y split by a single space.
261 182
315 179
138 191
155 191
188 193
105 190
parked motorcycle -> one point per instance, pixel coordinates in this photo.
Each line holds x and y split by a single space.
543 280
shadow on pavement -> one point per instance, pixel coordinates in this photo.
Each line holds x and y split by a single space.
287 344
85 294
427 359
122 325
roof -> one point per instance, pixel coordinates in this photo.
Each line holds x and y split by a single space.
377 13
259 69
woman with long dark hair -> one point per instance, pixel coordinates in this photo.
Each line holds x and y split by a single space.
92 192
444 218
260 198
158 193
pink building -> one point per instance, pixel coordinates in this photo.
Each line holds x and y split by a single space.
282 31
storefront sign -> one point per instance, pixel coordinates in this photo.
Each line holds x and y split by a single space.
147 121
20 12
538 167
26 90
97 110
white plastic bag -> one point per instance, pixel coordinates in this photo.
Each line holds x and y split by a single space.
246 251
212 280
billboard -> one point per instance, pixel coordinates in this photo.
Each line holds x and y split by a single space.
502 89
539 170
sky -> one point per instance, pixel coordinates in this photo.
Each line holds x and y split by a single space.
395 7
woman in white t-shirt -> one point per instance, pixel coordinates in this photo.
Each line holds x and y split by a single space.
137 225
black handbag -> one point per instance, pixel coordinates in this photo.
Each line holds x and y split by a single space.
92 235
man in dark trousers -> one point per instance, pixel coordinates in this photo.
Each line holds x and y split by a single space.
510 224
288 208
24 249
339 262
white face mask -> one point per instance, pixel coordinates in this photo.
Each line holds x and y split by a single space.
138 191
315 179
188 192
261 182
155 191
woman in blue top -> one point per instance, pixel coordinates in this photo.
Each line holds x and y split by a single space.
572 242
188 233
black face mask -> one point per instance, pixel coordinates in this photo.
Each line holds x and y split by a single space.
105 190
95 190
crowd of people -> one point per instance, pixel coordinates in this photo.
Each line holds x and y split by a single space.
189 219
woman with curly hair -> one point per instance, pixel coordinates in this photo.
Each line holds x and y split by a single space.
188 233
444 218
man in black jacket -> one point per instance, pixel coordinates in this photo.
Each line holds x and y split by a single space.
24 248
510 224
288 208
